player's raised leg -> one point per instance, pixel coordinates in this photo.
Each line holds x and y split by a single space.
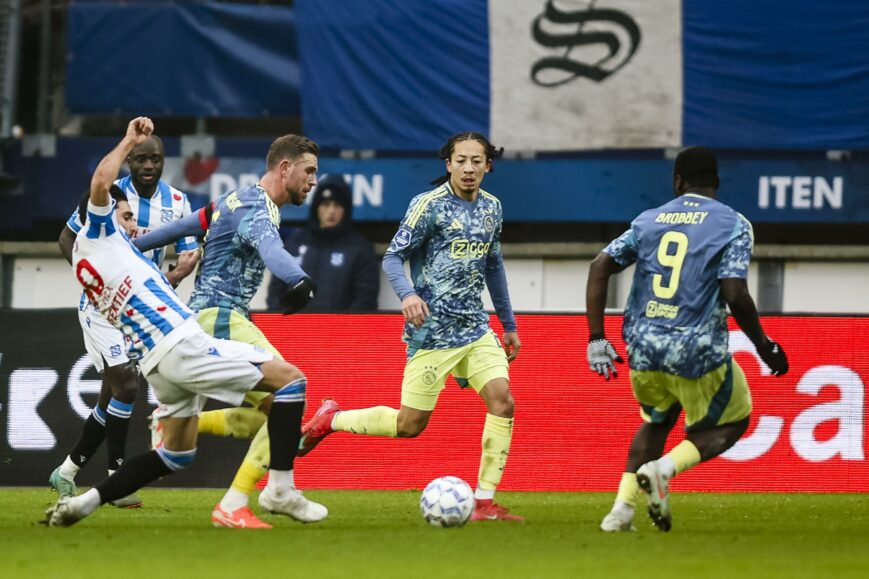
647 445
177 452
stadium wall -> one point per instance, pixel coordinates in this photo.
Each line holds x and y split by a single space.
808 430
537 284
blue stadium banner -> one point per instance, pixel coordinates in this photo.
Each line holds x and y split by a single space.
600 187
182 59
773 74
548 75
382 74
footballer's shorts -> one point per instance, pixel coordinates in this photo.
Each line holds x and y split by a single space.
201 367
716 398
474 364
105 344
228 324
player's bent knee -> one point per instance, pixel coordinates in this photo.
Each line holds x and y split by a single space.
176 460
411 426
277 374
123 383
409 431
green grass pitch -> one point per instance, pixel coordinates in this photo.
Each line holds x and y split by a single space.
381 534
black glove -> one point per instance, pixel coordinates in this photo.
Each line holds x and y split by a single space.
602 355
298 296
774 356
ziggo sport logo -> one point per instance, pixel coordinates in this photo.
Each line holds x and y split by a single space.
465 249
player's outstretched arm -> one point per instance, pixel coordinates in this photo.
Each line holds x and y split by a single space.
735 293
194 225
600 352
138 131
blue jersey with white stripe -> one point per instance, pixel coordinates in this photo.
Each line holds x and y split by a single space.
676 319
128 289
449 243
165 206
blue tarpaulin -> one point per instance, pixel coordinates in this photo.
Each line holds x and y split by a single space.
393 75
783 75
182 59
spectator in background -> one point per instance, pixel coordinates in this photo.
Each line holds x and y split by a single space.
334 253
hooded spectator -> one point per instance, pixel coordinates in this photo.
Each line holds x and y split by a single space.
337 257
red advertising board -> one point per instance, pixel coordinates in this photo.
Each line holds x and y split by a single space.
572 430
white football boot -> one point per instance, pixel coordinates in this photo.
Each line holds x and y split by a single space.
63 513
293 504
617 522
657 486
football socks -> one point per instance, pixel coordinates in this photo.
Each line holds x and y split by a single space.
284 432
684 455
133 475
253 467
117 425
374 421
241 423
92 435
497 434
629 490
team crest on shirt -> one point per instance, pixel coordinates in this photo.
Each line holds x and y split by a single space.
337 259
489 223
115 351
402 238
166 215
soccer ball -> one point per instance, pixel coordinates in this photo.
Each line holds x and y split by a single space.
447 502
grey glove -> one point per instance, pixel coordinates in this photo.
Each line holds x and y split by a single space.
602 356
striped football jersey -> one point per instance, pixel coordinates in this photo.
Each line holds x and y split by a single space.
128 289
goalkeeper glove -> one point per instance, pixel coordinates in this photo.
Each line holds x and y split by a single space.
774 357
602 355
298 296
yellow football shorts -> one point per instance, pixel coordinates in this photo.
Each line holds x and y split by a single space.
475 364
719 397
228 324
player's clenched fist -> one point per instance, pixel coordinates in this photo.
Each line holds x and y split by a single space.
140 129
415 310
774 357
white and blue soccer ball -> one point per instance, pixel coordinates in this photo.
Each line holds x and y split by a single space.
447 502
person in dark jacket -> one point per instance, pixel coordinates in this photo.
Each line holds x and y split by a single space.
333 253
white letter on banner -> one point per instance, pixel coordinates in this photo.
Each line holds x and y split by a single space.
372 192
25 429
832 194
221 183
781 190
76 386
848 411
768 428
802 198
763 193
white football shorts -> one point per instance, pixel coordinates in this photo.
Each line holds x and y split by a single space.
200 367
105 344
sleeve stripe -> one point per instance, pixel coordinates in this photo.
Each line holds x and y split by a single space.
421 206
490 196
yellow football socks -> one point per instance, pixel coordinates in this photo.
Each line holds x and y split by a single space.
374 421
255 464
684 455
235 422
629 490
497 434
